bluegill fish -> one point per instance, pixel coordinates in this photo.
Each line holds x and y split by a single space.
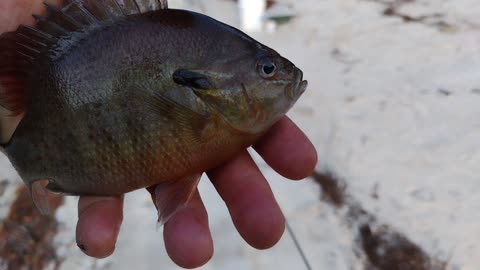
121 95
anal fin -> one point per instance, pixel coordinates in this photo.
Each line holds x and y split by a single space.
39 195
171 196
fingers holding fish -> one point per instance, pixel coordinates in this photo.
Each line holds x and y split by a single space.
250 201
288 150
99 220
187 236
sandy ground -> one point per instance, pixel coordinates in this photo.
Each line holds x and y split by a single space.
392 108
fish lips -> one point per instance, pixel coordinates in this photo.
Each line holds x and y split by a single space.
295 89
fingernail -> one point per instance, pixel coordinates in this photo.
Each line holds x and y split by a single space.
82 247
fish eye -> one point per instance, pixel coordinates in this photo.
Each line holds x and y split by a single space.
266 68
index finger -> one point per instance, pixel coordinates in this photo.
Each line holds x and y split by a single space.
288 150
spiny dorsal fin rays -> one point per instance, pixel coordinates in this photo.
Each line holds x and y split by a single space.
18 50
141 6
51 27
76 10
61 18
74 16
80 13
107 9
29 37
91 12
130 7
30 42
35 34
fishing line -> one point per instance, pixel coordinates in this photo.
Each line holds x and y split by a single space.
297 245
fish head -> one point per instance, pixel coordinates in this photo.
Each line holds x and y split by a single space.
251 92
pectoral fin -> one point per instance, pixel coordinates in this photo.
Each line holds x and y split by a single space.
171 196
39 195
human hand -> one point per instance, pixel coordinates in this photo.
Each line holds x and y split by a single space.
241 185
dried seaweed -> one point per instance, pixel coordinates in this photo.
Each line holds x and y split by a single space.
26 236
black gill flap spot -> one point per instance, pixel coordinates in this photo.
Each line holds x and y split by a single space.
192 79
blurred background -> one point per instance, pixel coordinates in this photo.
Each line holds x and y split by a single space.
393 107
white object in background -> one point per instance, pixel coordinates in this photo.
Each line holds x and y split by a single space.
251 14
277 14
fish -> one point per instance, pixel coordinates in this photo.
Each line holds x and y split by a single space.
118 95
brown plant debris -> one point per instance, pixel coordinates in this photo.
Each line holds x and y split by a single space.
333 190
436 20
26 236
383 247
390 250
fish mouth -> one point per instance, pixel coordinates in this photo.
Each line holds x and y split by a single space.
295 89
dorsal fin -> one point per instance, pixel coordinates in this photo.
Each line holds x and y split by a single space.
19 49
78 14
